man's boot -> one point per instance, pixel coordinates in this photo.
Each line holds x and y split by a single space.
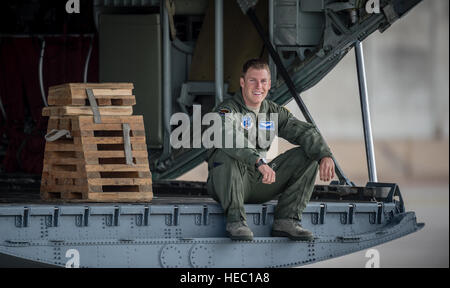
239 231
290 228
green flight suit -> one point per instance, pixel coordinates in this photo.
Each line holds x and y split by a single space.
233 178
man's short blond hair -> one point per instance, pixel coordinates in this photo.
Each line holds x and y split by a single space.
256 63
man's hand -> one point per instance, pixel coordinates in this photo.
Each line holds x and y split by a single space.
268 174
326 169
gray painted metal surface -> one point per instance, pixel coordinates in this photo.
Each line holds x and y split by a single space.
298 27
189 235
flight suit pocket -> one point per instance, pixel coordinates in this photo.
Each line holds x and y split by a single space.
212 181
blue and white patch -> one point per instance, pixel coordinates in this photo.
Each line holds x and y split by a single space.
266 125
247 122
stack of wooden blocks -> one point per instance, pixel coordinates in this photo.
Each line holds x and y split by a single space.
104 156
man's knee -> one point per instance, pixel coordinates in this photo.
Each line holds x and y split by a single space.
296 157
298 163
221 159
296 153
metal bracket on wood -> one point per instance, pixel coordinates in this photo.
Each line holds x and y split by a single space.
94 106
56 134
127 144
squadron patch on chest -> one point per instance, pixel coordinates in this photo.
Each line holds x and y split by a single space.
247 122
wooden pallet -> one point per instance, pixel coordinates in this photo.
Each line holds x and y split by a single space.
84 110
106 94
91 166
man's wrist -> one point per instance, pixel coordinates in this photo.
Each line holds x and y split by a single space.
320 160
260 162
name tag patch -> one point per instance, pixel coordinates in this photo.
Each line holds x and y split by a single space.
266 125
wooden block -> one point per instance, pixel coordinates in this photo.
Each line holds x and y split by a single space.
63 155
111 140
52 146
75 94
115 101
121 196
71 195
62 196
52 124
118 119
66 181
104 85
111 92
145 174
120 181
113 154
65 123
114 160
98 196
136 124
65 188
63 161
116 168
86 110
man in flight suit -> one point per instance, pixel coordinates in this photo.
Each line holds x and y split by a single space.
242 175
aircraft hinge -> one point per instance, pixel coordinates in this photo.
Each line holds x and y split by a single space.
379 212
264 214
323 210
351 212
205 215
22 221
173 219
83 219
146 215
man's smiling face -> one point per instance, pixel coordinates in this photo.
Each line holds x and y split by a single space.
255 85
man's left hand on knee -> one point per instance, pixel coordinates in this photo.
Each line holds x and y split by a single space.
326 169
